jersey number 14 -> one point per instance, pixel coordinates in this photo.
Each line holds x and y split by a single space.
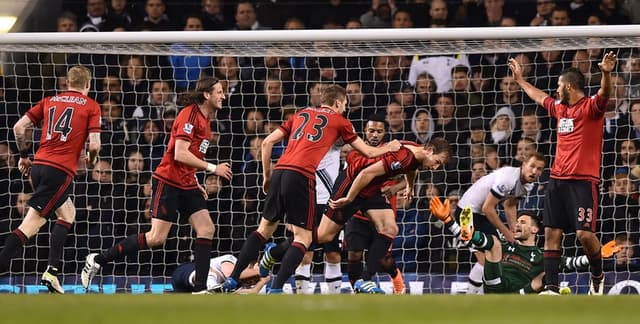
62 125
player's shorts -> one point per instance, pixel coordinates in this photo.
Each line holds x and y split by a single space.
494 282
52 188
571 205
342 215
291 194
168 201
358 234
333 245
180 277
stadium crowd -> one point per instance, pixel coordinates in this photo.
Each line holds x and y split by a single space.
471 100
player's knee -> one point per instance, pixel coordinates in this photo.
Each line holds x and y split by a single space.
206 232
154 240
354 256
390 230
585 237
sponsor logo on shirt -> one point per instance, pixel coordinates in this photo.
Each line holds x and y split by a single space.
565 125
188 128
203 146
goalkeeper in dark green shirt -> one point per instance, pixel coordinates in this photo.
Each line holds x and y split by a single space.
509 267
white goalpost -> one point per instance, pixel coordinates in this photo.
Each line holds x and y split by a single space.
268 74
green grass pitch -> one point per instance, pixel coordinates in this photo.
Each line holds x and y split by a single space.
241 309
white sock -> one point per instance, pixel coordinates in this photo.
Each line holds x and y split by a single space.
303 279
475 280
333 277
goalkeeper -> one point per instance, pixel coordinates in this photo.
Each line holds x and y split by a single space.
509 267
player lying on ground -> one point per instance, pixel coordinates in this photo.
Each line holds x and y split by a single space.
509 267
183 278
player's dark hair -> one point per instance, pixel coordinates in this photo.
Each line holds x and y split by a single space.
331 94
535 219
573 77
196 96
439 145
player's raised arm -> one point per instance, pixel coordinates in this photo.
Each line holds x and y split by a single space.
371 151
534 93
606 66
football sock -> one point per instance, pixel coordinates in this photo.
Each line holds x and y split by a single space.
12 245
595 264
482 241
551 269
202 255
277 252
249 253
132 243
453 227
379 248
475 279
354 271
303 278
333 277
290 262
58 236
576 263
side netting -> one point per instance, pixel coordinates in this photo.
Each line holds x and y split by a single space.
451 82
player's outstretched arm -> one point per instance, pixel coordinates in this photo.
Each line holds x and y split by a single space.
606 66
534 93
374 151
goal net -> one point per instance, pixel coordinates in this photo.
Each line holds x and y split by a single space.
451 82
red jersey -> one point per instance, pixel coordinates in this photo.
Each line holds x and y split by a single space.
67 119
310 133
394 163
579 148
191 126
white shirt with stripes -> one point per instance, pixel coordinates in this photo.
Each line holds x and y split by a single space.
503 183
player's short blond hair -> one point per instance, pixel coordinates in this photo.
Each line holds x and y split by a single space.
78 76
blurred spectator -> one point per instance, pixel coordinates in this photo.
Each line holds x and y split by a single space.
135 84
560 17
544 8
379 14
425 86
422 126
502 126
213 15
402 19
446 126
612 13
187 70
633 10
111 89
438 14
160 100
589 69
439 67
619 211
397 123
627 158
155 18
246 18
359 108
115 134
579 11
67 22
122 13
631 72
152 143
97 18
524 148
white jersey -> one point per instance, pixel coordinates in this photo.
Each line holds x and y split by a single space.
439 67
326 174
503 183
215 276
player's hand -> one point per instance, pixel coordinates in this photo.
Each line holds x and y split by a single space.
224 170
87 160
516 69
438 209
340 203
608 62
203 192
387 191
408 193
508 236
24 166
393 146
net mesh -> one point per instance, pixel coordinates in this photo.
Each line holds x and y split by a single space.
137 86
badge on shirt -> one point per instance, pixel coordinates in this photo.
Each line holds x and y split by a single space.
565 125
188 128
395 165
